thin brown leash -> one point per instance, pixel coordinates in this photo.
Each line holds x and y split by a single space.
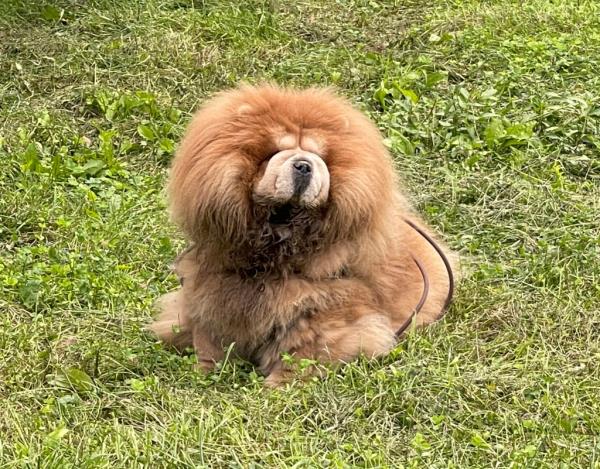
425 293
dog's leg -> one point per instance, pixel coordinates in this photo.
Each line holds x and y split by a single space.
207 352
335 341
173 327
170 325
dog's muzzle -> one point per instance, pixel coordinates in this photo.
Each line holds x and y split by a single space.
294 176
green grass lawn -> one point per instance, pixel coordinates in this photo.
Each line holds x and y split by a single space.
492 112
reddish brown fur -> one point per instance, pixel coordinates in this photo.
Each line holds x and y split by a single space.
334 282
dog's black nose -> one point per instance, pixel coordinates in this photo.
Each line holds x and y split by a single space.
303 167
302 176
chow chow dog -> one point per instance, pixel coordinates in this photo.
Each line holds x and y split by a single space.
300 239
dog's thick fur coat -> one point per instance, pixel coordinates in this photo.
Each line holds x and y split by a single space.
327 281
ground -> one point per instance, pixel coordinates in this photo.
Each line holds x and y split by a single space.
492 113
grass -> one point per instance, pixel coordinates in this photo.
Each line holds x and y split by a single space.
492 112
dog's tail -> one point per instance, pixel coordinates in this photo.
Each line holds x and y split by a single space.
172 323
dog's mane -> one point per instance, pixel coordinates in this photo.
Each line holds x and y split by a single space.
279 241
212 176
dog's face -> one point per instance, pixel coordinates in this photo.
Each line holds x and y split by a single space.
262 162
297 174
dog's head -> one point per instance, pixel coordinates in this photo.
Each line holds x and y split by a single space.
265 156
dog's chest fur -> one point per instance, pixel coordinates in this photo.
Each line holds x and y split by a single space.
253 313
259 294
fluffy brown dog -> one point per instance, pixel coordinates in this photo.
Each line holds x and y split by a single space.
299 235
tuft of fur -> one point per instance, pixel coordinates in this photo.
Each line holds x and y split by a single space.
328 282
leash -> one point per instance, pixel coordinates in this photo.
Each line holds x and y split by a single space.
425 293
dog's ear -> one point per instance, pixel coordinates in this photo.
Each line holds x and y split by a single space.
207 192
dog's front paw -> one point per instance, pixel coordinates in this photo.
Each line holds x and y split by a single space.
277 380
204 366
